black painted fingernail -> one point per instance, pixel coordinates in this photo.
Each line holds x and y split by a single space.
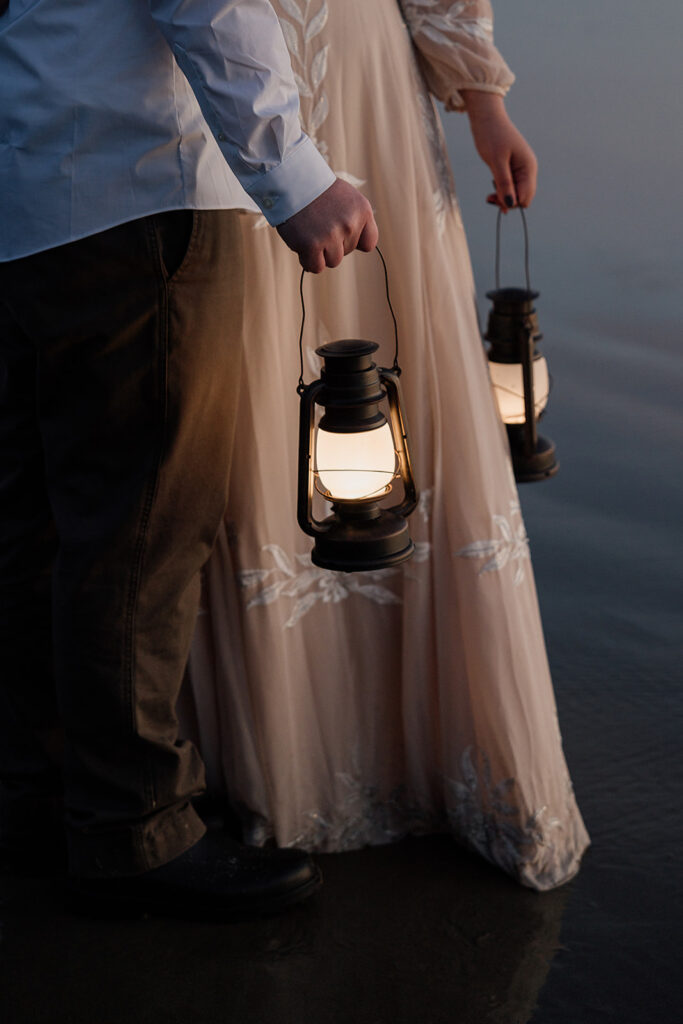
509 201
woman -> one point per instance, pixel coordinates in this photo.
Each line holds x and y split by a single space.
341 710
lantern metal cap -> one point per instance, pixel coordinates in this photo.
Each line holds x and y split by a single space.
511 316
347 348
513 301
352 387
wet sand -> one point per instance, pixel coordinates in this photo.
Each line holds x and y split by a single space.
423 932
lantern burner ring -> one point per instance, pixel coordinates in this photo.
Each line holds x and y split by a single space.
352 502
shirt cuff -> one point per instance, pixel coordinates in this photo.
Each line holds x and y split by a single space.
297 181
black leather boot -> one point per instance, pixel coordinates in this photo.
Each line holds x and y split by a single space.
216 879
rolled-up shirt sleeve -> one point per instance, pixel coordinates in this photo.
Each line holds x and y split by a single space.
236 61
454 41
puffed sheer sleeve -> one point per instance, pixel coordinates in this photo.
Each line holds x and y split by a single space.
454 41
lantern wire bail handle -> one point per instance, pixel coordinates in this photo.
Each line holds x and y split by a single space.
551 381
301 387
526 249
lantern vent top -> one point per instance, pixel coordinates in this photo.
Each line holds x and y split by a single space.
349 354
513 301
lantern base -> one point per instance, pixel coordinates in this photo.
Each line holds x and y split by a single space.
539 465
359 545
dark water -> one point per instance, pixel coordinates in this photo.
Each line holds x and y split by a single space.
421 932
598 95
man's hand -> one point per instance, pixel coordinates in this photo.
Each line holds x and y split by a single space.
503 148
337 222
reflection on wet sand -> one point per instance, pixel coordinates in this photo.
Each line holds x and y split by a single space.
417 932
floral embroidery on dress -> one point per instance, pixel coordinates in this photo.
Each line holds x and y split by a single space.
478 812
310 70
511 547
309 67
429 17
424 504
363 816
311 585
443 197
483 815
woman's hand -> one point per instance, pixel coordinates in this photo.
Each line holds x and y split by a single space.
503 148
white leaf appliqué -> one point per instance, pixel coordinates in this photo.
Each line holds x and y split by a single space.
309 585
320 112
511 546
423 551
319 66
301 607
293 9
317 23
281 559
250 577
380 595
302 86
291 38
310 72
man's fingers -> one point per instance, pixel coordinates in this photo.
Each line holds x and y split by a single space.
312 260
363 237
350 239
334 253
337 222
369 236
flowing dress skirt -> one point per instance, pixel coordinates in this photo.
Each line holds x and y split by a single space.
338 710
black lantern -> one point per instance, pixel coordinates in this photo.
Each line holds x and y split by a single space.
352 456
519 373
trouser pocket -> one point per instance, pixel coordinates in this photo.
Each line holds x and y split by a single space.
174 230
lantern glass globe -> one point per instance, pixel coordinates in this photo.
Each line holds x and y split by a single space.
355 465
508 387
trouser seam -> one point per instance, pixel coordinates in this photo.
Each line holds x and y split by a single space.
148 784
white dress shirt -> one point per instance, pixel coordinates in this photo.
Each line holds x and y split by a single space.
99 125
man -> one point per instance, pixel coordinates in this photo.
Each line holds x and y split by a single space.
131 131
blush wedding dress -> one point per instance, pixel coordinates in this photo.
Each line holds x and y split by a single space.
341 710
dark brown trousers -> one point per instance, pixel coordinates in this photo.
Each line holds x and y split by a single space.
119 375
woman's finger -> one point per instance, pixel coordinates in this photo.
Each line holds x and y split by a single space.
525 172
504 184
525 181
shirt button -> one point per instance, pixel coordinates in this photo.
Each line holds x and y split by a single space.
268 203
222 137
